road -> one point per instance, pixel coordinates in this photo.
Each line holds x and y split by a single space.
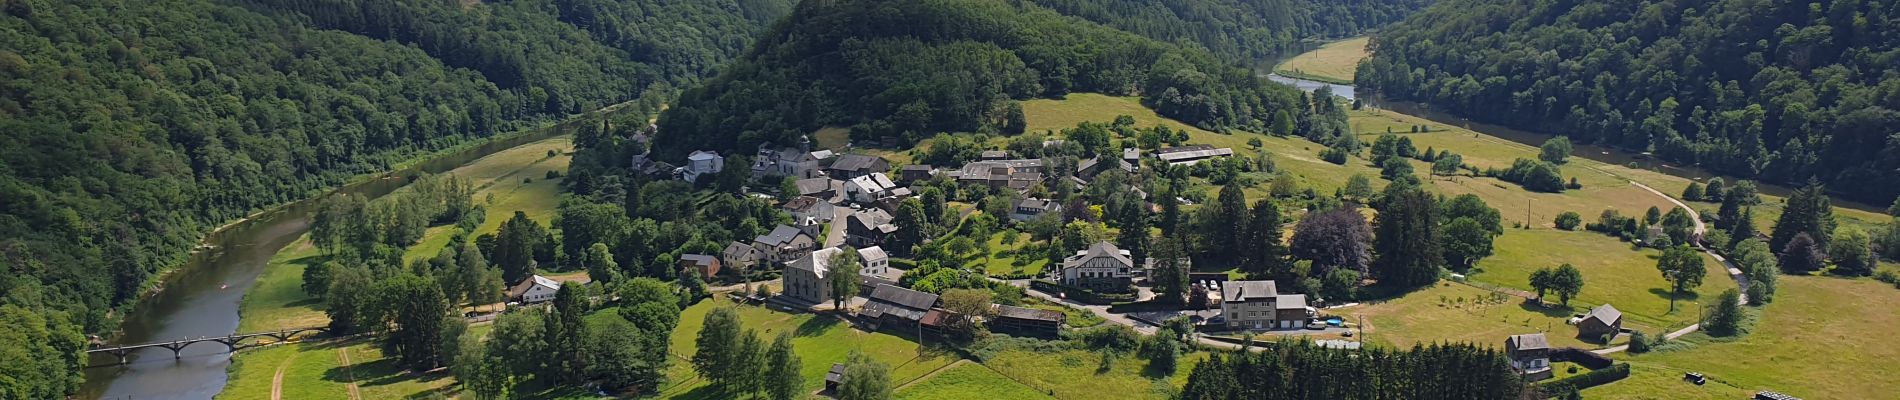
1741 281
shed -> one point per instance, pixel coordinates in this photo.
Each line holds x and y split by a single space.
1603 320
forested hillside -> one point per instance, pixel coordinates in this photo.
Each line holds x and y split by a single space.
1237 30
1783 91
906 70
133 127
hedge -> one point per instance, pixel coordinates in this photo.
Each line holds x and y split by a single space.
1581 357
1080 294
1589 379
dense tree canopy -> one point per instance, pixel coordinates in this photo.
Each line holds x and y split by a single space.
1783 91
1236 30
907 70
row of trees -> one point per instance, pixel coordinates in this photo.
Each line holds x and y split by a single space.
1301 370
1780 92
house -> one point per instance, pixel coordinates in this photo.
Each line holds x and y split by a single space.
988 155
803 207
834 377
805 277
873 188
1188 155
793 162
535 289
874 261
1529 355
915 172
868 227
739 255
1013 174
1101 267
894 307
784 244
706 265
1258 305
1018 321
826 189
702 162
855 165
1603 320
1030 208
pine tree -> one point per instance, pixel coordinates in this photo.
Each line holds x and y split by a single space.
1808 212
1231 212
1407 239
782 365
1730 211
1743 228
719 350
1265 251
565 329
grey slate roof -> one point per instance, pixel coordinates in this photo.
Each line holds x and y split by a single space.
892 300
1531 341
1098 250
699 259
811 186
1605 313
780 235
1289 302
1242 291
856 162
872 253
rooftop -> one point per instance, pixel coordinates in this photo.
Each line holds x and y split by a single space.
1532 341
780 235
1243 291
872 253
1005 311
1098 250
1606 313
856 162
699 259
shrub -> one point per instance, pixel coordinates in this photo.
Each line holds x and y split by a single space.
1639 343
1568 220
1888 276
552 174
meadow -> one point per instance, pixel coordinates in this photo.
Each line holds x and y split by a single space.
508 181
1452 312
1334 62
818 340
277 300
1613 273
967 381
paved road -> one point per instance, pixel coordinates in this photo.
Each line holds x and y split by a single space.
835 237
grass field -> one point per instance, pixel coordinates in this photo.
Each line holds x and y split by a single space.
819 341
516 180
968 381
1451 312
1078 374
316 370
1612 272
1822 338
999 266
277 301
1648 381
1334 62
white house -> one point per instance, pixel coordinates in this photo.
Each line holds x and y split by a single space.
875 262
873 188
1259 305
702 162
535 289
1100 267
792 162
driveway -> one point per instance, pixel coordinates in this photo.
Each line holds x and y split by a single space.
835 237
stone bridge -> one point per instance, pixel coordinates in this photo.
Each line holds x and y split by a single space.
231 343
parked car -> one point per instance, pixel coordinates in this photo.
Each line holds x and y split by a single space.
1695 377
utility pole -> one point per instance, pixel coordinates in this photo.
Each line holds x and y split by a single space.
1527 214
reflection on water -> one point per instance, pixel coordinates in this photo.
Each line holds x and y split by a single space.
1304 85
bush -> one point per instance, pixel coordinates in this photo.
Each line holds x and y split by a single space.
552 174
1335 156
1888 276
1568 220
1592 379
1639 343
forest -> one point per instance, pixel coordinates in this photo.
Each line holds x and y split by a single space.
1301 370
1240 31
899 72
134 127
1779 91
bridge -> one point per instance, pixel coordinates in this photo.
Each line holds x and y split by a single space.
231 343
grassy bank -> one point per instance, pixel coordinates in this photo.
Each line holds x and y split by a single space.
508 181
1334 62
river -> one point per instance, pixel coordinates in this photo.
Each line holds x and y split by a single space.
200 299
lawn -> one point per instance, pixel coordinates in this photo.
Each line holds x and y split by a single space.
507 181
819 341
1613 273
1823 338
1451 312
277 301
968 381
1000 266
315 370
1334 62
1653 381
1078 374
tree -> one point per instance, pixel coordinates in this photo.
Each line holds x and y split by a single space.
1652 216
864 379
565 330
1555 150
616 355
1852 253
600 264
969 305
1567 281
1336 238
1264 252
417 310
515 247
1743 228
1465 242
842 274
912 223
1359 187
316 277
43 353
1678 225
1728 212
1683 268
1163 352
1801 256
1693 192
485 377
1170 276
1725 317
1541 281
1284 186
1447 163
720 351
1754 259
782 381
1569 220
1808 211
1341 285
1717 190
1231 209
1473 207
519 342
1407 242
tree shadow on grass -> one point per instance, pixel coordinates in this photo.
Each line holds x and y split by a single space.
311 303
1682 296
1155 370
815 326
702 392
1552 310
